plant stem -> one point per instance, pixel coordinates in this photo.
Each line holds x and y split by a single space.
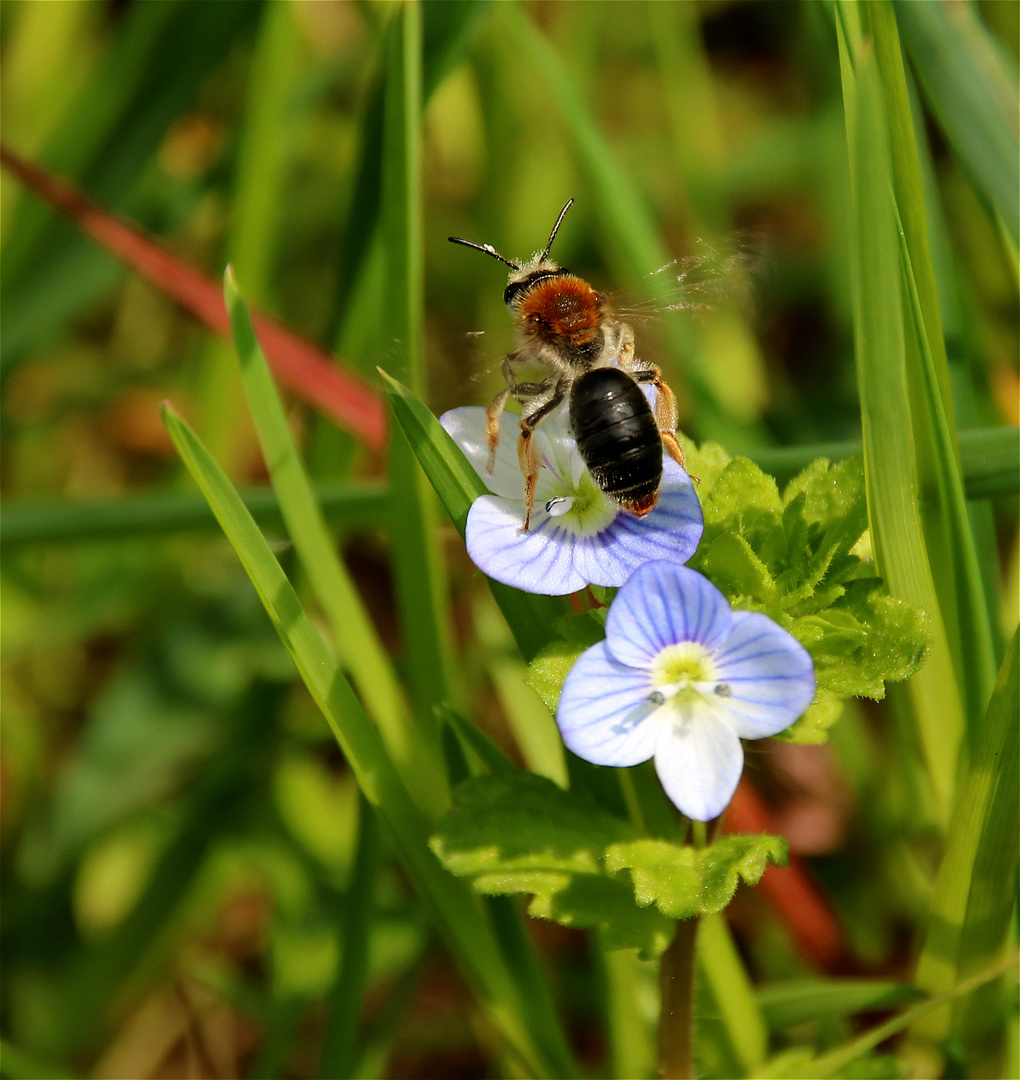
676 1015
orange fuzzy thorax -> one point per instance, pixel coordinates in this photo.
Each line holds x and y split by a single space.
562 309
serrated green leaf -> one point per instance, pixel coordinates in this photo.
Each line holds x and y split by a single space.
548 670
812 729
523 834
683 881
725 862
523 822
662 873
730 563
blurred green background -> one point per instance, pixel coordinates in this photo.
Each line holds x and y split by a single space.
179 829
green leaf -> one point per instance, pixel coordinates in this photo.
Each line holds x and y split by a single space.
683 881
732 859
520 833
549 668
523 834
812 729
662 874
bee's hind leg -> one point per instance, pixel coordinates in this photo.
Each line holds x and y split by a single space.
665 413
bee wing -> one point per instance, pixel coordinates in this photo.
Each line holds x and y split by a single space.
713 275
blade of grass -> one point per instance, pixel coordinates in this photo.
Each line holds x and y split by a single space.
633 235
446 31
139 88
340 1045
351 506
355 639
889 443
458 915
801 1001
948 535
971 910
417 560
831 1063
990 460
257 198
974 96
299 365
991 467
737 1007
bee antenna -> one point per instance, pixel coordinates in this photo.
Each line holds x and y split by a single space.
487 249
556 228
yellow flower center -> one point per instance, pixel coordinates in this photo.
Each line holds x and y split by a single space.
685 671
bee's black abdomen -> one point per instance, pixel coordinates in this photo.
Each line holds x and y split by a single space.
617 437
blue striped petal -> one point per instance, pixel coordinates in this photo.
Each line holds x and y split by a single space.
663 604
604 714
769 676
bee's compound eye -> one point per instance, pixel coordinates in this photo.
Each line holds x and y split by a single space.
513 291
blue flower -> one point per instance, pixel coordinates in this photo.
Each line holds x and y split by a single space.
578 535
681 677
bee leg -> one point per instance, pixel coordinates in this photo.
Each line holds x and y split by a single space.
496 406
529 468
665 413
526 453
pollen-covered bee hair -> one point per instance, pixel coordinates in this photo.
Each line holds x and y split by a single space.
562 326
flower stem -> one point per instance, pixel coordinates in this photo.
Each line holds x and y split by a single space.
676 1015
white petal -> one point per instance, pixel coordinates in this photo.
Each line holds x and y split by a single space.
699 761
539 561
604 713
769 676
466 426
663 604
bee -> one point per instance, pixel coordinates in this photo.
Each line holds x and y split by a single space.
563 326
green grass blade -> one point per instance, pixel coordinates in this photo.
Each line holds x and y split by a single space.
990 460
633 235
356 642
974 96
417 560
948 535
458 914
830 1064
339 1057
138 90
991 467
351 506
802 1001
255 210
889 436
972 906
736 1005
529 616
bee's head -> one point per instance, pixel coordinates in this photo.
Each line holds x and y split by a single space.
524 277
